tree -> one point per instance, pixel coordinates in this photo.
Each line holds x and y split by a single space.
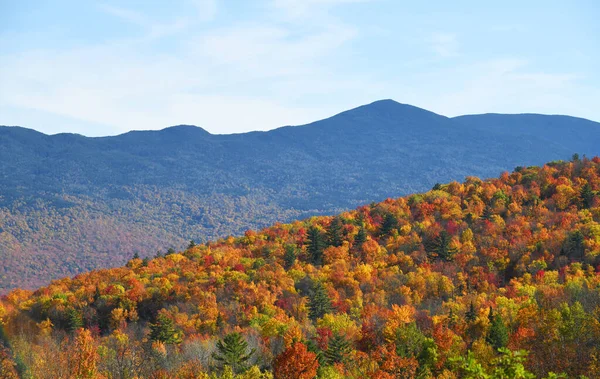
316 245
192 244
232 351
85 355
390 222
587 196
289 257
296 362
164 330
471 314
498 333
439 247
335 236
319 303
361 237
74 320
338 349
574 245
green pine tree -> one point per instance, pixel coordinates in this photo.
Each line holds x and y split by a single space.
390 222
164 331
471 314
498 333
361 237
439 247
487 213
319 303
233 351
289 257
335 235
338 349
574 246
587 196
74 320
316 245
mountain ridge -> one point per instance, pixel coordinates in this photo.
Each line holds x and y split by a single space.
69 203
377 103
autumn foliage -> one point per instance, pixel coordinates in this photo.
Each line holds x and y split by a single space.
480 278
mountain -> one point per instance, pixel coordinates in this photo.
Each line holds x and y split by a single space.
70 203
495 278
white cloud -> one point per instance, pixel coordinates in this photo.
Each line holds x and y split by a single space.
444 44
225 80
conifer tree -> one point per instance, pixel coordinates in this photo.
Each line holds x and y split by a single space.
390 222
337 350
232 351
439 247
498 333
471 314
74 320
316 245
574 246
164 330
361 237
335 235
587 196
319 303
289 257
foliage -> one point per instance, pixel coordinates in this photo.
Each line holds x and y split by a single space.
376 306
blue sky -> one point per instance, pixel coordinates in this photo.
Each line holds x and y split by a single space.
106 67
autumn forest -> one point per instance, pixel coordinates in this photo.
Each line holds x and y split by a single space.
495 278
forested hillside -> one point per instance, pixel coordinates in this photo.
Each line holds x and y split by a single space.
495 278
69 203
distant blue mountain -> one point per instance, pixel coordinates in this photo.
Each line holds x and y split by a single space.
69 203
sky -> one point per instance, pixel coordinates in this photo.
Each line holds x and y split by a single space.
106 67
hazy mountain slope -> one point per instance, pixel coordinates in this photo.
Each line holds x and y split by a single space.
69 203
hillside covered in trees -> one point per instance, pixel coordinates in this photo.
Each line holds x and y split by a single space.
481 279
69 203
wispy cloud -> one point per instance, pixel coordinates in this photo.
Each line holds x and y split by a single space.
212 72
444 44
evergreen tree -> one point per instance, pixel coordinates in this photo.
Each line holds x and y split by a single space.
390 222
338 349
487 213
574 246
587 196
439 247
498 333
232 351
74 320
314 348
191 244
361 237
335 236
170 251
136 255
316 245
319 303
471 314
164 331
289 257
